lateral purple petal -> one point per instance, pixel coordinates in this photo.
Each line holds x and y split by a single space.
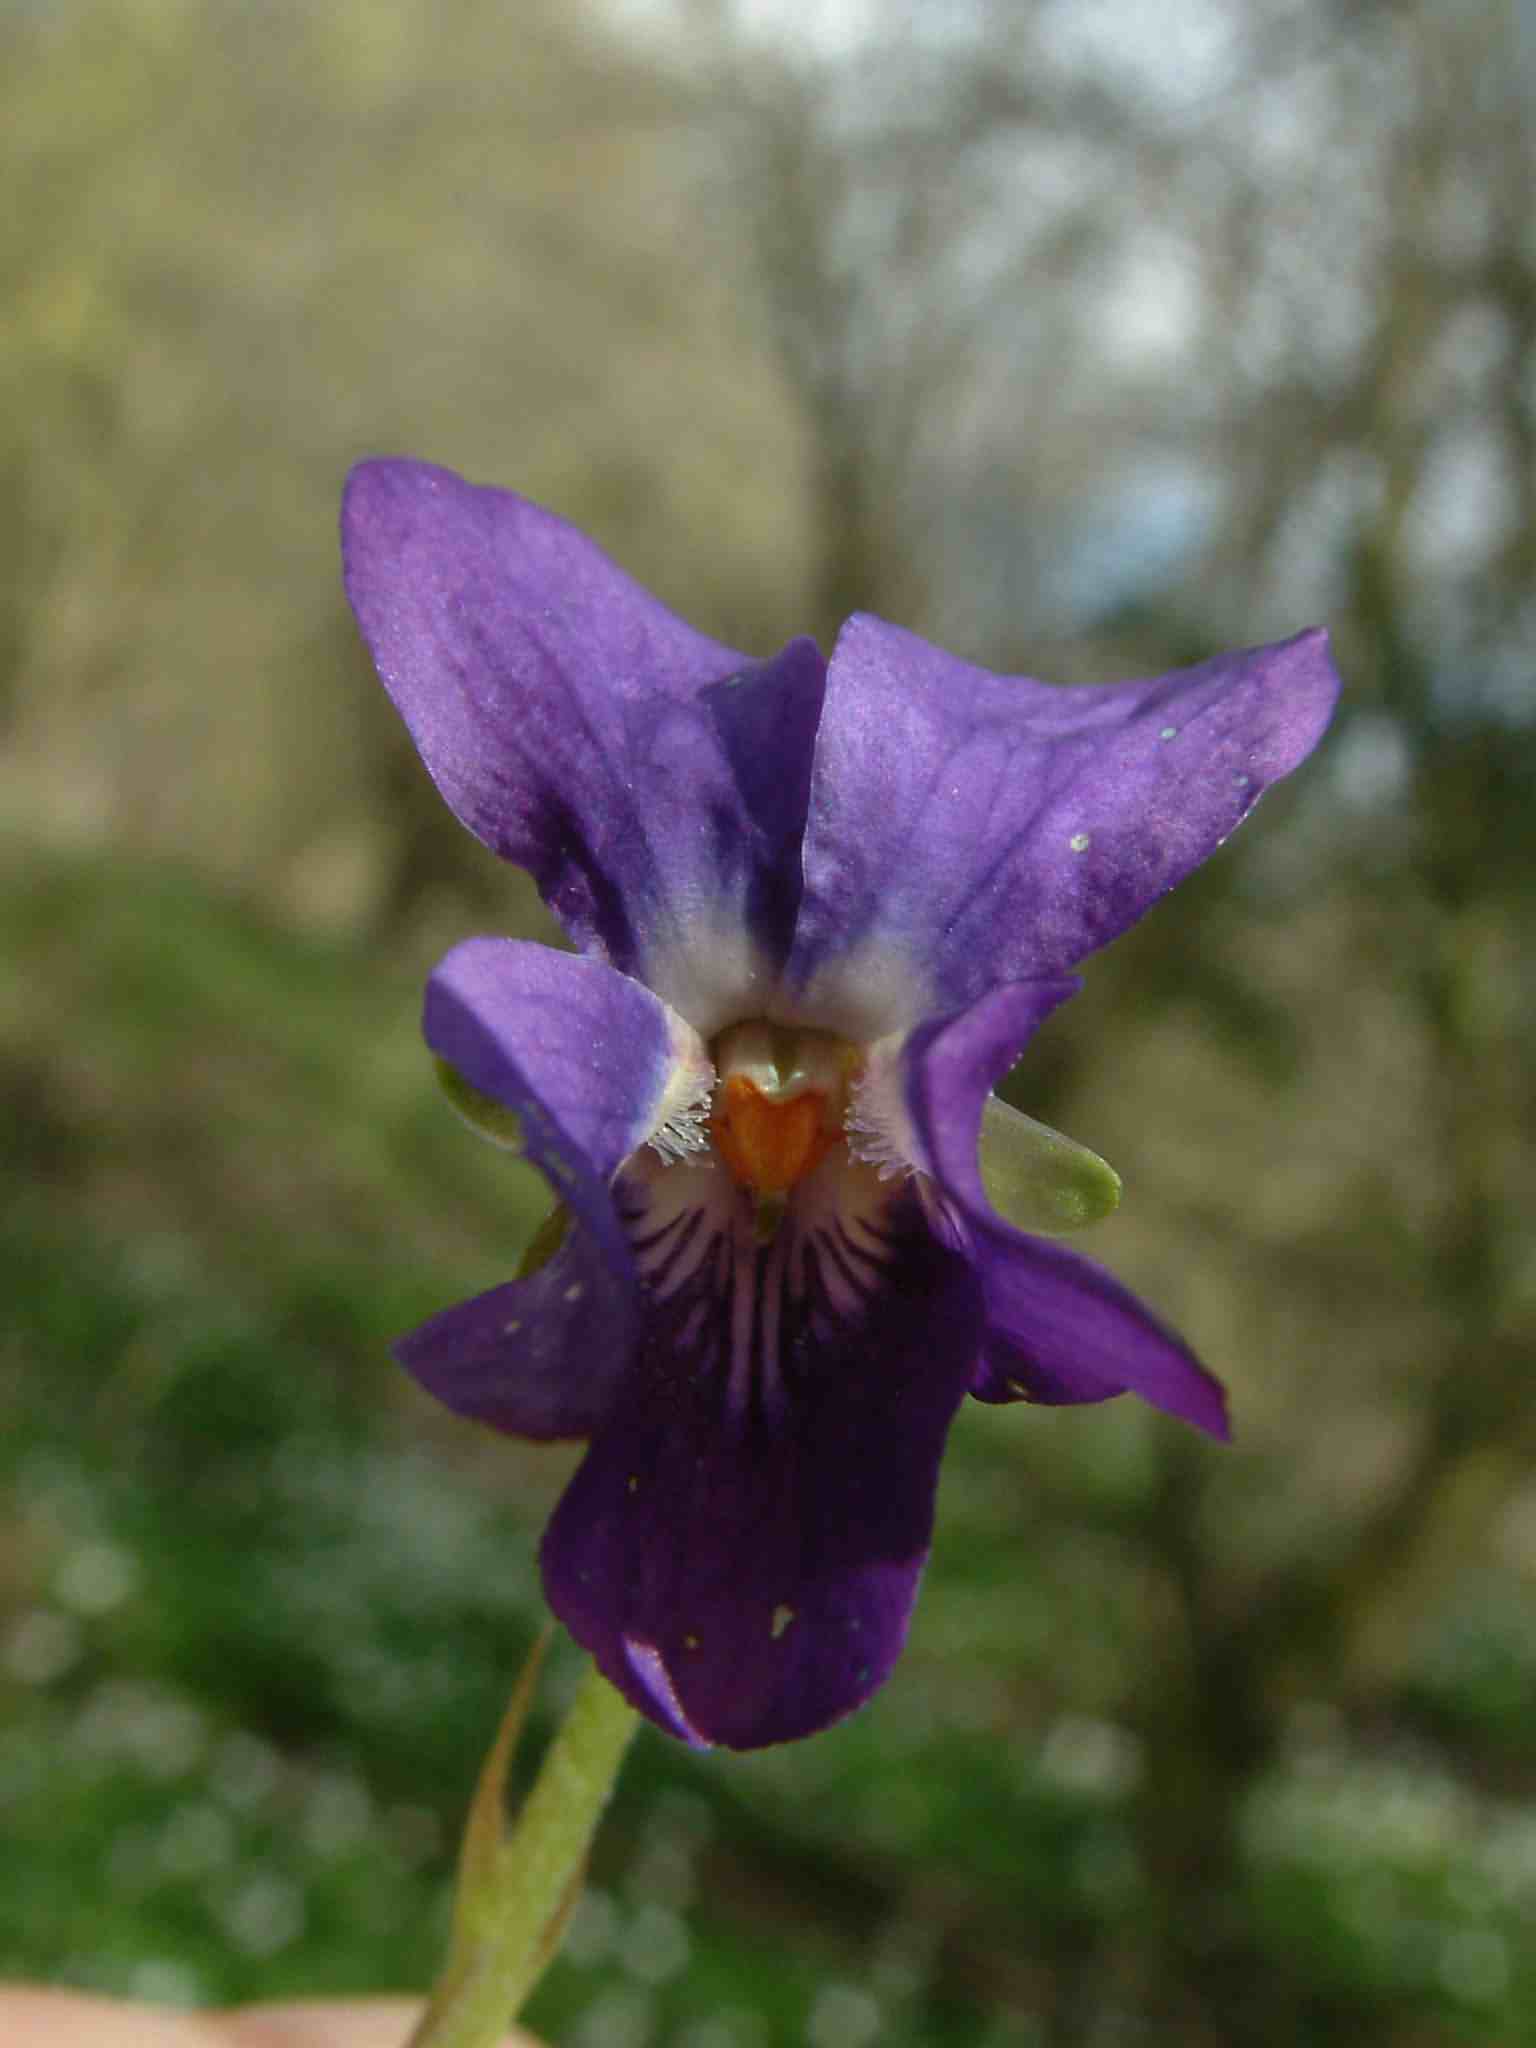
1061 1329
653 780
982 828
1004 1374
536 1358
950 1066
1058 1327
581 1054
741 1548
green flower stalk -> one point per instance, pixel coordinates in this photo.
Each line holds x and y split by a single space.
518 1883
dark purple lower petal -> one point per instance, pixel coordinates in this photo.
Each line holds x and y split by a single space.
742 1546
1061 1329
538 1357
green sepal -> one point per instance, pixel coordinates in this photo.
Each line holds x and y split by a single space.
483 1113
1038 1180
545 1242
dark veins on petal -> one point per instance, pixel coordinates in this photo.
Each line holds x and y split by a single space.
766 719
577 887
741 1548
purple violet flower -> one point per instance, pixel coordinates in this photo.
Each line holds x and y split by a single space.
819 908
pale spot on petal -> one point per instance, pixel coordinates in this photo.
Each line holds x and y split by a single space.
649 1667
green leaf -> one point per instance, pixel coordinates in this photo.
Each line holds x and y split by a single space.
1038 1180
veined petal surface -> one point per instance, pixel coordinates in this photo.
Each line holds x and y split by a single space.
653 781
967 828
1058 1327
741 1548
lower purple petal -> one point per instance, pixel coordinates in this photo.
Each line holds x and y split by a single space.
1061 1329
741 1548
538 1357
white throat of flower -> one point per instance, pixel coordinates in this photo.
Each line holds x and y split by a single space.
879 1127
681 1129
776 1101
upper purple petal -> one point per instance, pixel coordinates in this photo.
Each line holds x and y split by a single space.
973 828
654 781
741 1547
1058 1327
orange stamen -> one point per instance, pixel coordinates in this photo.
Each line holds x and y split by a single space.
769 1145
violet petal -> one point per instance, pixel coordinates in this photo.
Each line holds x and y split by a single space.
1059 1328
584 1058
653 780
967 828
538 1357
582 1055
741 1548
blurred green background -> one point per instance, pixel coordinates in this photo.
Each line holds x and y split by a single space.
1086 338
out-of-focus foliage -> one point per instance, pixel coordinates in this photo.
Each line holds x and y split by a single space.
245 246
1086 348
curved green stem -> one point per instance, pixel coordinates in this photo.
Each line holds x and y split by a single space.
518 1885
